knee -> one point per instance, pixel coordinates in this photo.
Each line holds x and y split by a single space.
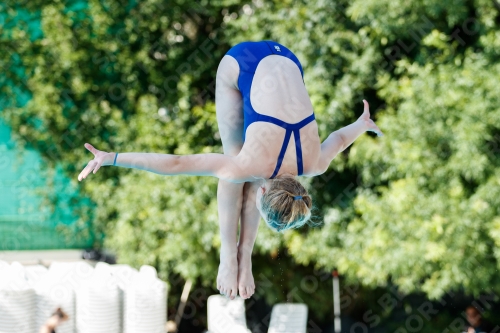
228 72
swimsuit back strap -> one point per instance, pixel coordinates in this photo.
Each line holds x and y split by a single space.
298 151
282 152
295 129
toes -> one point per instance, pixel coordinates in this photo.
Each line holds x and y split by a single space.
249 292
233 293
243 292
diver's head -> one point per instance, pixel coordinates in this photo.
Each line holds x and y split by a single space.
284 203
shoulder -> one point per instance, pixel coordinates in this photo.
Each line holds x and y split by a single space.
228 71
318 169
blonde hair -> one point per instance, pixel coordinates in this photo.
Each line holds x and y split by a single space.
281 206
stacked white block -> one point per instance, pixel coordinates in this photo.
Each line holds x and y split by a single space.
124 275
34 274
288 318
17 300
98 303
145 303
109 299
225 315
57 289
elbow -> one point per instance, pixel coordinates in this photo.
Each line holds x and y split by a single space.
174 166
342 142
321 167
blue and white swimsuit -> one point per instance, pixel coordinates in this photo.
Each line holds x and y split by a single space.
248 55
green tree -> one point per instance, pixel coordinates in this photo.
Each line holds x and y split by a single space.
417 208
131 77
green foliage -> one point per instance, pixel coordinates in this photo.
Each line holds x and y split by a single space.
418 207
421 203
96 75
127 78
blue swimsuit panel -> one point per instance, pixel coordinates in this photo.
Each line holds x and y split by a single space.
248 55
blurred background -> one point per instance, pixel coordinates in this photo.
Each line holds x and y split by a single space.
410 220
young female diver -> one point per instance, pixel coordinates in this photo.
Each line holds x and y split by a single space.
261 102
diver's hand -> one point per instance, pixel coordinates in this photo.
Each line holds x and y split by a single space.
101 158
367 122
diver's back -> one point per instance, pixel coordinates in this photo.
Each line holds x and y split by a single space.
276 105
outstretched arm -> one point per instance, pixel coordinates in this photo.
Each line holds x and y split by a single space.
339 140
225 167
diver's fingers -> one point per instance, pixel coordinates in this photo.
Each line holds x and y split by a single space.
366 111
90 148
98 166
90 166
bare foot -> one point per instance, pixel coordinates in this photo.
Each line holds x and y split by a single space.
228 273
246 284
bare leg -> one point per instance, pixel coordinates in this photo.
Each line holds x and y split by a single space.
229 195
250 218
229 201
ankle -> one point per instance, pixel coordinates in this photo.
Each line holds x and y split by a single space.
244 250
228 251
